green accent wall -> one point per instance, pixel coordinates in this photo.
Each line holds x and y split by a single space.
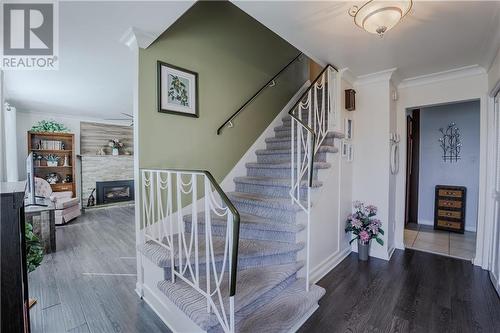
234 55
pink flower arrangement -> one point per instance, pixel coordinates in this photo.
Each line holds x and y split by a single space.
363 224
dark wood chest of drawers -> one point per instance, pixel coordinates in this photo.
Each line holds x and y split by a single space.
449 208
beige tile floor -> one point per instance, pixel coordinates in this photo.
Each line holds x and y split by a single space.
447 243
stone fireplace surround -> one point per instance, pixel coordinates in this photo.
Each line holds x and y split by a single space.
104 168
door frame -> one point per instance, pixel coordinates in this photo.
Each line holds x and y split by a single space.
485 198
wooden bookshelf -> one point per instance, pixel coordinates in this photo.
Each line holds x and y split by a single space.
67 146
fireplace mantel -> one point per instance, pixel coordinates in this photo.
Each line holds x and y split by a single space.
97 168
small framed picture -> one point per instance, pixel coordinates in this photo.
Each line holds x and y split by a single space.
177 90
345 149
350 153
348 128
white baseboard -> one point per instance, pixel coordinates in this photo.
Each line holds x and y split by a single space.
496 282
240 170
318 272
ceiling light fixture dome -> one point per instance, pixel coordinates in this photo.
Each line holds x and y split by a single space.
378 16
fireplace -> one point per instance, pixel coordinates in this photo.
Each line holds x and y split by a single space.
114 191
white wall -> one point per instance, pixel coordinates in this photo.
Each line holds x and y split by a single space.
494 72
371 174
331 204
465 84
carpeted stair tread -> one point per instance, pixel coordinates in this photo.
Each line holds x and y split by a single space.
287 165
271 181
322 149
329 135
264 201
281 313
248 248
249 221
250 286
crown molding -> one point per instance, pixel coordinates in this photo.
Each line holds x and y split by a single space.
451 74
346 74
381 76
134 37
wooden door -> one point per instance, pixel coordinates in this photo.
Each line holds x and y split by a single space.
412 166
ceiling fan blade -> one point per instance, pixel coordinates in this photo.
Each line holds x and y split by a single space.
127 114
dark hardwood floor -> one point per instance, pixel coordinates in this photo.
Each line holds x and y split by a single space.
88 284
413 292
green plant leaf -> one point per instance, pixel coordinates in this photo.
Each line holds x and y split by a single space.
352 240
381 231
380 241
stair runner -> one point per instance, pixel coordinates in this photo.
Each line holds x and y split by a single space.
269 296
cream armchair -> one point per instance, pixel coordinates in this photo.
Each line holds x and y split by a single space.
67 208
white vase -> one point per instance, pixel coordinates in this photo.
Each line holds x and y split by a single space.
52 163
115 152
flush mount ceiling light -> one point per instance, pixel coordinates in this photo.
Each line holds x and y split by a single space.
378 17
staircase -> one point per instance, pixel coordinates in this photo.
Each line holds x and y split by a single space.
271 293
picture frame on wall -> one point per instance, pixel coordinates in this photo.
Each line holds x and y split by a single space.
348 124
350 153
345 149
177 90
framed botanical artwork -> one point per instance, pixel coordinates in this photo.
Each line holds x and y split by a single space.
348 128
177 90
350 153
345 149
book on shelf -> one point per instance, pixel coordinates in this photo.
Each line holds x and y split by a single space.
51 145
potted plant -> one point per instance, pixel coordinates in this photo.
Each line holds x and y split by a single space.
364 226
34 252
115 145
52 160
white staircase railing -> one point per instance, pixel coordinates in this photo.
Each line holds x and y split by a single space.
313 116
199 259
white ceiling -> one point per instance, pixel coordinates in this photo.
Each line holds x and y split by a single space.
95 75
436 36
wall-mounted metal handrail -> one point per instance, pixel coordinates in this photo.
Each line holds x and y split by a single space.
270 83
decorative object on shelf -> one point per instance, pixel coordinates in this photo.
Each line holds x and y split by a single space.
52 178
450 143
66 161
348 128
100 152
177 90
49 126
52 160
37 158
115 145
364 226
67 179
350 99
394 142
378 17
